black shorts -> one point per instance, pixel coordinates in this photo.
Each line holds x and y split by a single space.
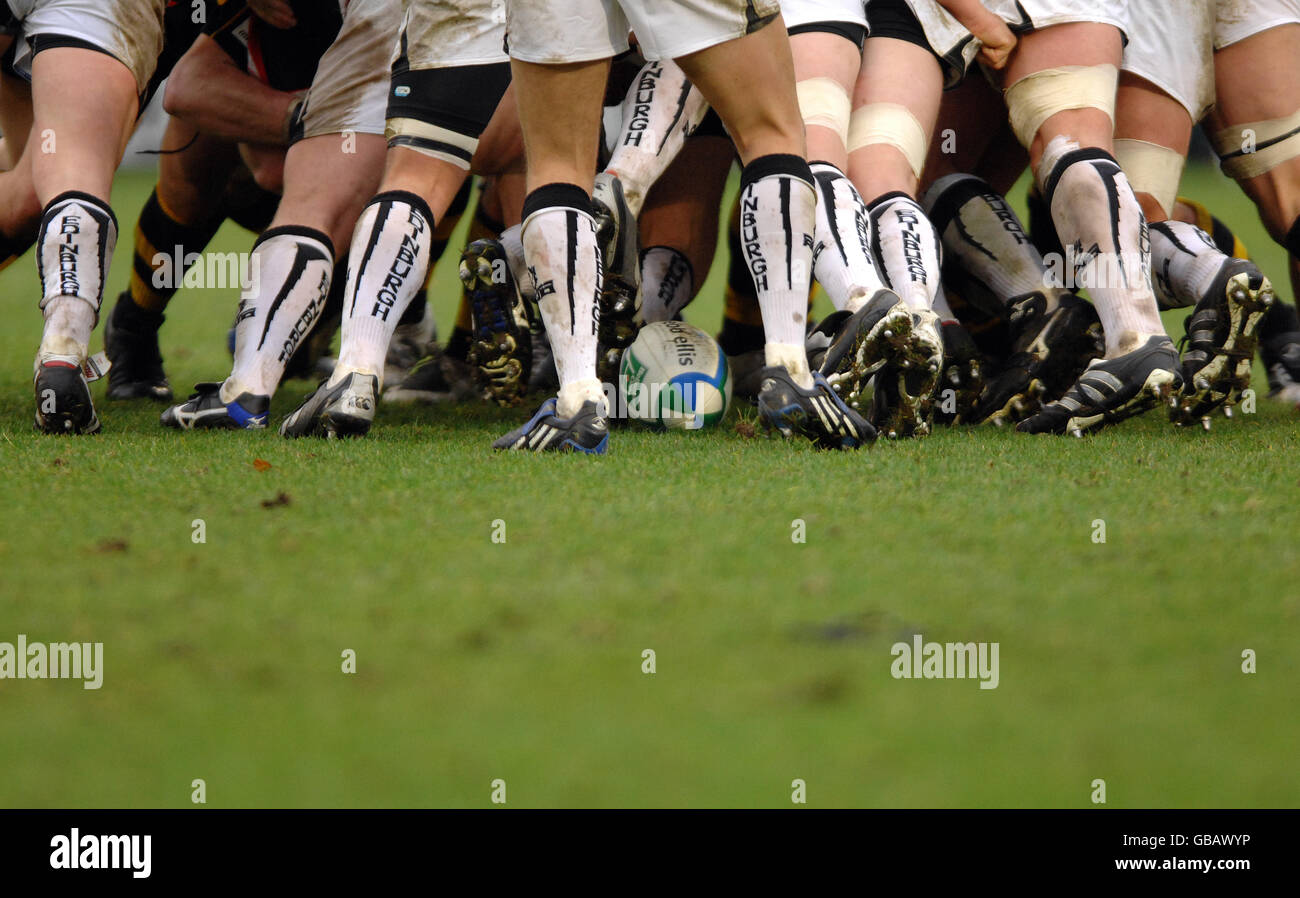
894 18
847 30
457 99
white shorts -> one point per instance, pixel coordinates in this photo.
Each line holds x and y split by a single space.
1239 19
438 34
1174 52
350 90
130 31
807 12
957 48
450 73
554 32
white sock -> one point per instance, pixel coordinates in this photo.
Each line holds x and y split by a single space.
1092 204
387 265
842 260
293 269
907 248
981 232
661 108
778 217
667 283
559 240
68 323
1184 263
512 241
74 246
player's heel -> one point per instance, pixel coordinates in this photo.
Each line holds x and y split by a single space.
63 403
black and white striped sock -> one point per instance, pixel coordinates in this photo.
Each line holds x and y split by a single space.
390 254
667 283
778 216
74 246
1184 263
842 260
559 240
907 248
290 269
661 108
982 233
1101 224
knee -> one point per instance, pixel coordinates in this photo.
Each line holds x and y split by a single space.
266 164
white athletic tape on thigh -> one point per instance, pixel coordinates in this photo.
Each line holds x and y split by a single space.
1035 98
1151 169
440 143
825 102
892 124
1248 150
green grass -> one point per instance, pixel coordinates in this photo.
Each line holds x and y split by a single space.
522 661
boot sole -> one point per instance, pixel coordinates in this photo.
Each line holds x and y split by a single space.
1222 380
497 359
910 357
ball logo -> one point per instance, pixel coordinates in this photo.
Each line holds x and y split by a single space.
683 342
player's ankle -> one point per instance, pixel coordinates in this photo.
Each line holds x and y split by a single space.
792 358
343 369
232 389
68 323
572 396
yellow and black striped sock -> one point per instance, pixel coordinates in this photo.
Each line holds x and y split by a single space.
162 244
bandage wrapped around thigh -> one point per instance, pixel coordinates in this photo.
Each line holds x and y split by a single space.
1035 98
892 124
1253 148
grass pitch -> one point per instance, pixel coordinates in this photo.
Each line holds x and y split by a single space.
523 660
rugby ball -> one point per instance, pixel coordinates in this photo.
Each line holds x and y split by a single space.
674 376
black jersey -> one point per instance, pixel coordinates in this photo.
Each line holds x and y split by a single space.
283 58
181 27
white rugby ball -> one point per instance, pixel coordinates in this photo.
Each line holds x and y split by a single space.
675 376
